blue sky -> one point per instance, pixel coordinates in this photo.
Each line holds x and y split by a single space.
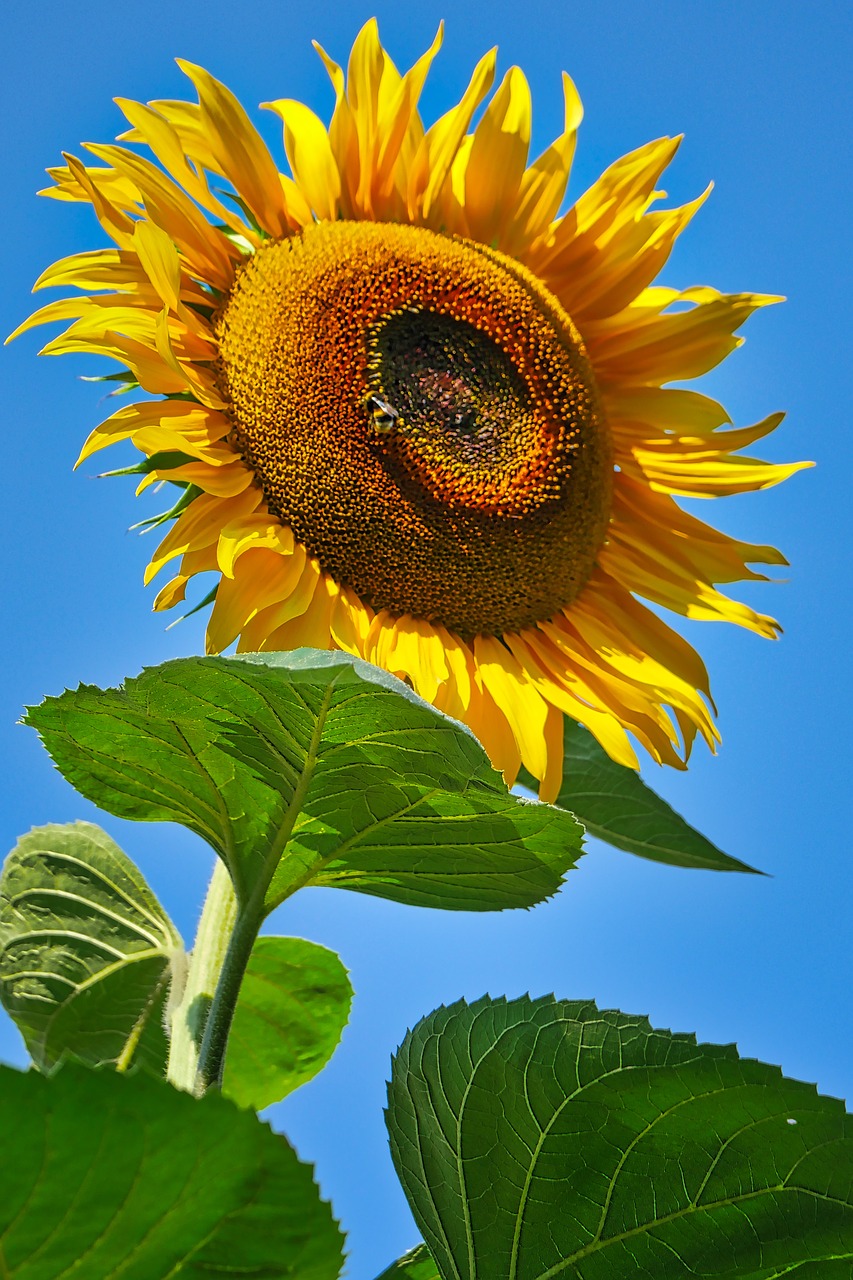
761 92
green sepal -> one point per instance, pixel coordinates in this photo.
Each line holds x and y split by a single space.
163 461
189 494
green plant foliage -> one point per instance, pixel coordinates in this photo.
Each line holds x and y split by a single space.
107 1175
87 953
293 1005
538 1139
414 1265
311 768
614 804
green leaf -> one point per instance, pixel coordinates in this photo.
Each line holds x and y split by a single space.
293 1005
311 768
106 1175
87 953
414 1265
538 1139
614 804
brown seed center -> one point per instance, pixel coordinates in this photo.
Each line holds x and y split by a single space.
420 411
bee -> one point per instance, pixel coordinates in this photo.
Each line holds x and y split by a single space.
384 415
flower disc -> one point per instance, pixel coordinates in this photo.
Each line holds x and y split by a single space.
420 411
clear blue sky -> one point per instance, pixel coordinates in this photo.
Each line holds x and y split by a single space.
762 93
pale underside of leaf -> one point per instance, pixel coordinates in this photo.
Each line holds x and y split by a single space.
87 955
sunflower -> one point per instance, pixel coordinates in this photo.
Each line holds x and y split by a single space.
413 411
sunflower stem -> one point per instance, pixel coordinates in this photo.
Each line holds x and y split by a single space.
211 1056
213 965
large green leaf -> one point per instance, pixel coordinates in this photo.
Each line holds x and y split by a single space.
87 953
311 768
414 1265
538 1139
106 1175
614 804
293 1005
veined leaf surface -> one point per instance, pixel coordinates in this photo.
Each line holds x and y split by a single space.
538 1139
311 768
122 1177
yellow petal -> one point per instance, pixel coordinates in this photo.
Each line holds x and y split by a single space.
343 136
197 379
170 595
226 476
240 151
552 779
159 260
601 643
434 159
99 310
350 622
408 647
200 560
144 363
251 533
190 426
604 608
210 254
368 66
76 182
156 131
115 222
309 152
200 525
625 265
621 193
702 467
100 269
498 159
516 696
263 578
488 722
659 578
636 707
658 524
186 120
662 409
400 133
307 612
566 691
543 185
664 347
454 696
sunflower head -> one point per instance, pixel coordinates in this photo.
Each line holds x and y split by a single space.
415 411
